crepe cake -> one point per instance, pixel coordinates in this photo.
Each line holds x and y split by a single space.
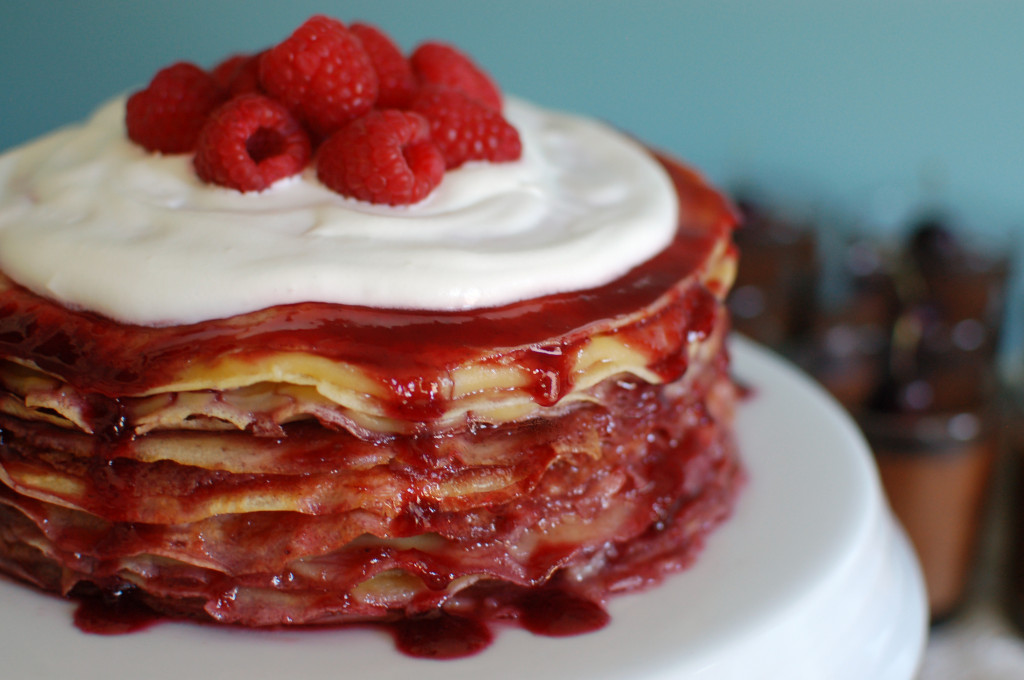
508 428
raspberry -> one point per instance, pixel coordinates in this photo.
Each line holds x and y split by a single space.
250 143
394 74
167 115
224 72
465 129
383 157
238 74
439 64
322 74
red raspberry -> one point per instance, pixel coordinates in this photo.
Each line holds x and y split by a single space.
250 143
465 129
238 74
394 74
224 72
383 157
322 74
440 64
168 114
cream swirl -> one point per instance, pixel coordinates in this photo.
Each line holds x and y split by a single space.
96 222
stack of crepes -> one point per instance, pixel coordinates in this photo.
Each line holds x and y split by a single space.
317 462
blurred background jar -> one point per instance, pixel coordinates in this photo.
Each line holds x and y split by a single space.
934 418
936 470
774 297
935 458
909 346
1015 525
846 346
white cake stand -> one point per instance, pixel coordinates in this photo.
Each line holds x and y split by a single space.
810 579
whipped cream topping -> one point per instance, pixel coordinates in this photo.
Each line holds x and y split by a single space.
94 221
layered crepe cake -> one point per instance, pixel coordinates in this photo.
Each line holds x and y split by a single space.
296 406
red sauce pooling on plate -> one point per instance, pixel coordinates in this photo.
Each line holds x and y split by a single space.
557 612
551 611
105 614
440 637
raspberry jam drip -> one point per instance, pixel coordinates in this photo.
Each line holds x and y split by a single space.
550 611
103 613
440 637
557 612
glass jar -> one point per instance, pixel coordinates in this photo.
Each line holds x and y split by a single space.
936 470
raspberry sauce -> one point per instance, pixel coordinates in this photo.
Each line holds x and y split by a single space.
551 611
440 637
104 614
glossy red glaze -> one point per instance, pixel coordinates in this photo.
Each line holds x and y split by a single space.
440 637
105 614
558 612
550 611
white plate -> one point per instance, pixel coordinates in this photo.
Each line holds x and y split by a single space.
810 579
